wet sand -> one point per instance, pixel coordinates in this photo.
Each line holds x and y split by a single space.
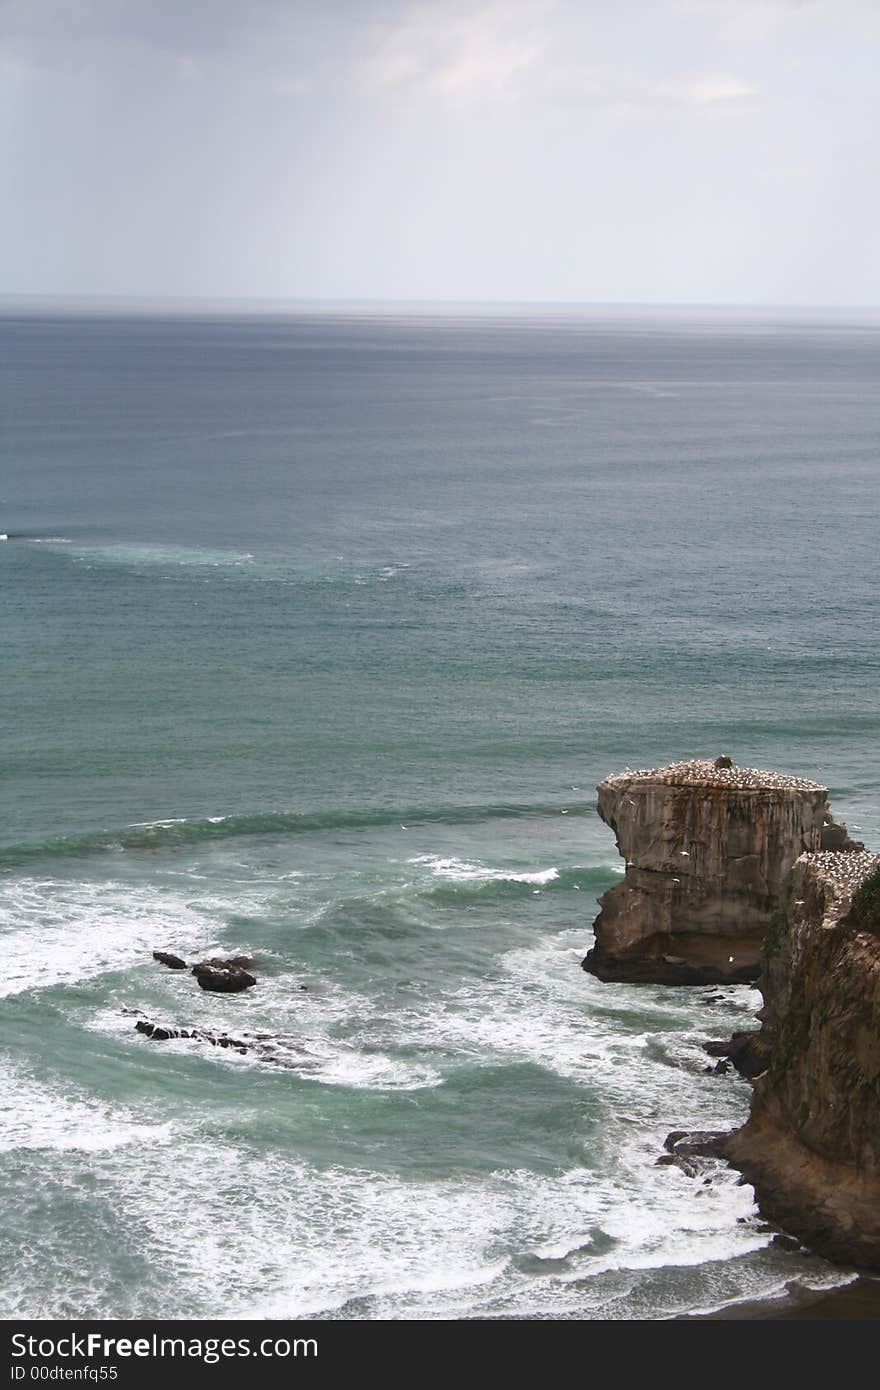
855 1302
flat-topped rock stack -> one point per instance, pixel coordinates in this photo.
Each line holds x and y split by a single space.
707 847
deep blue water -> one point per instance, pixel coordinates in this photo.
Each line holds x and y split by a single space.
318 631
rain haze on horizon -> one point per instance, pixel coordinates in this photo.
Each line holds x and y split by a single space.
714 151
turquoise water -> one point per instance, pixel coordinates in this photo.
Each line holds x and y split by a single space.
318 632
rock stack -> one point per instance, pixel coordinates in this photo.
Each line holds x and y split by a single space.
707 847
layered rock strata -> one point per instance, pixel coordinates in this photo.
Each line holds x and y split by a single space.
707 847
811 1145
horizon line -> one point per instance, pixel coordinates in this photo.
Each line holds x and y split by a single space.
266 303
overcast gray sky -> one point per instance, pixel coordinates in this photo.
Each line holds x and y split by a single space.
633 150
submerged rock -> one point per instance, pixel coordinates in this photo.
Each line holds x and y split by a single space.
811 1145
707 849
158 1033
283 1052
168 958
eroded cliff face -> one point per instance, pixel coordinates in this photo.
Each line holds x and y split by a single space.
811 1146
707 847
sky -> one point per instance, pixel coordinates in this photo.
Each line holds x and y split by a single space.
641 151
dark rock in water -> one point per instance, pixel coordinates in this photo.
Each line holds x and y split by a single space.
723 761
224 981
166 958
686 1147
672 1139
786 1242
223 963
696 1143
157 1033
749 1052
275 1052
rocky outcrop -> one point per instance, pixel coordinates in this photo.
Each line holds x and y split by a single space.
223 963
685 1148
707 847
811 1145
281 1052
836 836
748 1053
223 981
221 974
157 1032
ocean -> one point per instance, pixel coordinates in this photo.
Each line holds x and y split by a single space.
318 630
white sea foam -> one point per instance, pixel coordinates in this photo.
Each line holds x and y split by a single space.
342 1065
461 871
290 1029
59 932
388 1239
308 1239
32 1116
612 1237
151 824
539 1007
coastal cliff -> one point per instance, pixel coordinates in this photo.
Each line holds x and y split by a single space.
811 1145
707 847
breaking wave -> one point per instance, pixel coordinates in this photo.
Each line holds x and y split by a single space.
183 831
